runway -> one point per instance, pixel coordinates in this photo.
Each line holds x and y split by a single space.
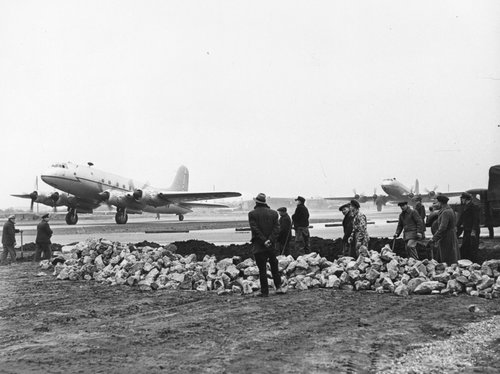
219 228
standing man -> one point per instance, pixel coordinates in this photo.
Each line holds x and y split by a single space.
43 235
348 249
411 222
359 236
420 208
9 240
301 225
446 234
265 229
468 223
285 232
432 222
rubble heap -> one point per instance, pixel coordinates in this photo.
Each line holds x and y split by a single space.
151 268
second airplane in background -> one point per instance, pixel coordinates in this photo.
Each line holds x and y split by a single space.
86 188
396 192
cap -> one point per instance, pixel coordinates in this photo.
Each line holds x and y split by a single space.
466 196
442 199
260 199
12 216
46 215
344 206
402 203
355 203
282 209
301 199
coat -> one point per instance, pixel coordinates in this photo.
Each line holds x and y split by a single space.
43 233
446 235
301 216
347 225
359 230
420 208
411 222
9 234
432 221
469 219
285 229
264 226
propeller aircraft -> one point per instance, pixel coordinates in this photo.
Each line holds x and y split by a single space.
85 188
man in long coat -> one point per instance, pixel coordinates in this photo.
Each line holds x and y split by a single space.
468 223
9 240
265 229
348 249
43 235
446 234
285 232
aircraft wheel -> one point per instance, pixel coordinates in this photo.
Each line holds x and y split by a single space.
181 217
71 218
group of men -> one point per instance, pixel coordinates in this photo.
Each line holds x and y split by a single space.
445 228
271 230
43 243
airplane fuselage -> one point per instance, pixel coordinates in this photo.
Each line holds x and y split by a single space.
395 189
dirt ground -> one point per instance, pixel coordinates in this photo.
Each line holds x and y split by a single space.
53 326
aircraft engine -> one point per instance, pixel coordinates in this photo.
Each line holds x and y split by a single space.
117 198
137 194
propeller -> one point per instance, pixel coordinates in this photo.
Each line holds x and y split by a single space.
374 197
54 196
431 193
33 197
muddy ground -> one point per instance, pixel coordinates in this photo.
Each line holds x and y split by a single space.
53 326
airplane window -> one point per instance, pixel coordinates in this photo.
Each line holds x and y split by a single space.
102 180
109 182
117 184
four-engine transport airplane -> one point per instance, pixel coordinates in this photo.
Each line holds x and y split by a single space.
396 192
86 188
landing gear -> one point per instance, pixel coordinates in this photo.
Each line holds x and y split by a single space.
181 217
71 217
121 217
379 207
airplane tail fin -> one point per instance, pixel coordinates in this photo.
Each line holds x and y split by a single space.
417 189
181 180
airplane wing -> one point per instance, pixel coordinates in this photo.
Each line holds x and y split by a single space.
187 197
56 199
202 205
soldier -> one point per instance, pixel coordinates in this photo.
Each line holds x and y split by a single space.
410 222
265 229
9 240
468 223
301 225
446 234
348 249
43 235
285 232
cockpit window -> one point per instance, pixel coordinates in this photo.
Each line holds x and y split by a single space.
62 166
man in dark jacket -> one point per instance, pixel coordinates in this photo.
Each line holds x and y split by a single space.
411 223
300 221
265 229
468 223
285 232
420 208
446 234
9 240
348 249
43 235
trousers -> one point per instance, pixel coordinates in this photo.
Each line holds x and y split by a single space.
8 249
261 259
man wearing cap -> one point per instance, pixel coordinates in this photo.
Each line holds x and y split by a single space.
300 221
285 232
412 226
359 236
265 229
348 250
9 240
43 235
420 208
468 223
446 234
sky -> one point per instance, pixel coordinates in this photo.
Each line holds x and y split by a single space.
311 98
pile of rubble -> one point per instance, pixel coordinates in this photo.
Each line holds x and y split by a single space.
162 268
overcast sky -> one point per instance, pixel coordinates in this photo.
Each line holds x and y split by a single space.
282 97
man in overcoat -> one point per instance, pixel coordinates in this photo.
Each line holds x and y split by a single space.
285 232
446 234
43 235
468 223
265 229
300 221
9 240
348 249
